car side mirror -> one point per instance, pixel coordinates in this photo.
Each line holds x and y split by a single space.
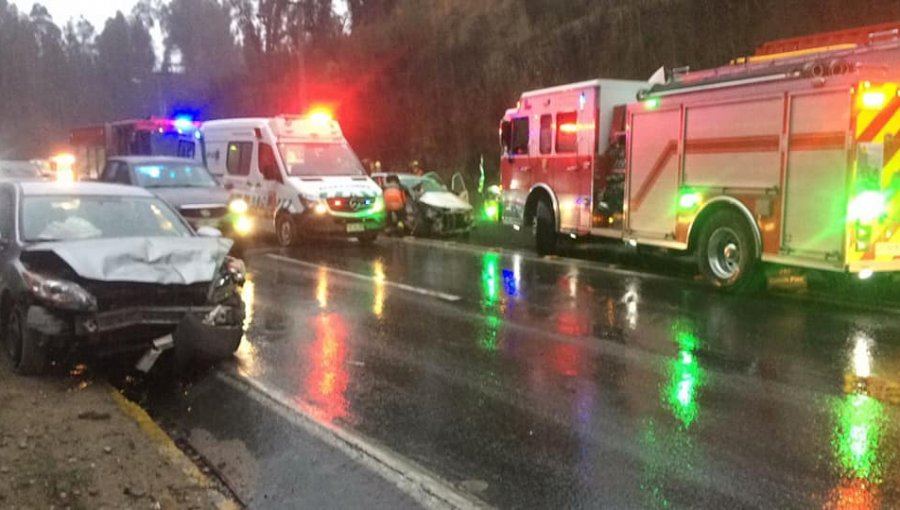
209 232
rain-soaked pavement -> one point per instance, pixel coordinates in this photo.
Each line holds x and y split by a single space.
557 384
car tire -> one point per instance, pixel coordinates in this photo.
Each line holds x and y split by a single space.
727 252
27 356
286 230
367 239
546 239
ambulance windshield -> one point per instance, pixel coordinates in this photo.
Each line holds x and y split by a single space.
317 159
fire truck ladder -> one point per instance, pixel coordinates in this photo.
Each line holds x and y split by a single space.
814 56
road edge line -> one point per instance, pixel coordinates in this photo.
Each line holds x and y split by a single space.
423 486
167 447
444 296
555 260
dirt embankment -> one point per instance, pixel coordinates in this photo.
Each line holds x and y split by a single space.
68 443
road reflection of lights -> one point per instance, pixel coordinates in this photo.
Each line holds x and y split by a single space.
490 335
859 426
860 421
246 354
573 323
686 376
630 300
862 355
328 379
379 279
490 277
573 284
493 308
322 287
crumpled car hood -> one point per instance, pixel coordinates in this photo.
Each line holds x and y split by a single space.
163 260
444 200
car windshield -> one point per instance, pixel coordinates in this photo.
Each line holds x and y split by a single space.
19 170
68 218
316 159
422 184
173 175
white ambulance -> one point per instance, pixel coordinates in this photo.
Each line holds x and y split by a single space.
298 175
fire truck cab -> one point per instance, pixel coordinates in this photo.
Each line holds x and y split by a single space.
790 156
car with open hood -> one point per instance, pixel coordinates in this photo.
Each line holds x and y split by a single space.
432 208
188 186
110 268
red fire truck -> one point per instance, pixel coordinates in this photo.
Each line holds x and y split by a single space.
155 136
790 156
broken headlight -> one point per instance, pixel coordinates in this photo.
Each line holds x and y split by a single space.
230 277
431 213
60 293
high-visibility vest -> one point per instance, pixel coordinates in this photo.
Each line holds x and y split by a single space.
393 199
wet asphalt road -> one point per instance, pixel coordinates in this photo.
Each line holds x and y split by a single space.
545 383
558 384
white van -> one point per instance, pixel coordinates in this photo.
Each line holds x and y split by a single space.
298 175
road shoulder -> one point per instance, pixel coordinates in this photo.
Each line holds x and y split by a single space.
67 442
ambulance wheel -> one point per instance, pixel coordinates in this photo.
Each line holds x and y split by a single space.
727 252
286 230
546 238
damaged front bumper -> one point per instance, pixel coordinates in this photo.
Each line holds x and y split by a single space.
212 331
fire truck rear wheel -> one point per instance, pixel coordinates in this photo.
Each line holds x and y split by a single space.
545 236
727 251
286 230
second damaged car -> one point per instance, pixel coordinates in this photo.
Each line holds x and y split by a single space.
110 269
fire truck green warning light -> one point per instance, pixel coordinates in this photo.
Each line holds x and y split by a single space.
867 207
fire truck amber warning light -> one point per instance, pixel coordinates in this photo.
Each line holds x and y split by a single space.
873 99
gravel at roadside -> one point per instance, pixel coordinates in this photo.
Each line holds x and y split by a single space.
66 442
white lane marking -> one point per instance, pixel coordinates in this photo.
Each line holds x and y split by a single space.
425 487
402 286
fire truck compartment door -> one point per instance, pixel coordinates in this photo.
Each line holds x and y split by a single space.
816 180
653 173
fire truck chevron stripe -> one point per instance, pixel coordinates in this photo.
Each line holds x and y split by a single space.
869 132
662 162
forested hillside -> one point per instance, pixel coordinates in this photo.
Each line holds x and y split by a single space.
424 79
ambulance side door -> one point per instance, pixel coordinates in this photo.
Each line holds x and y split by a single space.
238 159
270 180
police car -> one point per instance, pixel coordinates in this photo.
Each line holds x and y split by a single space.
298 175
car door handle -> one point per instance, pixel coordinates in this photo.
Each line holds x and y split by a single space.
571 168
523 168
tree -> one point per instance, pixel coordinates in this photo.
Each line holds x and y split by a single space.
200 30
125 60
